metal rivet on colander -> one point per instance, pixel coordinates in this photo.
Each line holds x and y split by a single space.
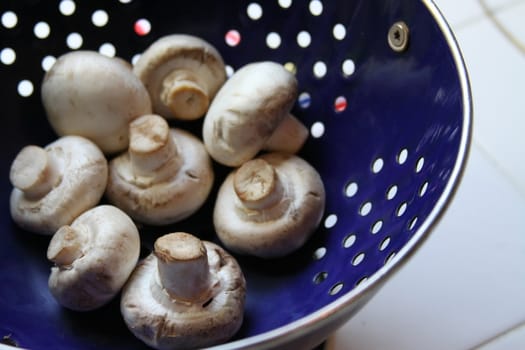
398 36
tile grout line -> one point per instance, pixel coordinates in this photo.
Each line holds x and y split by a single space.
492 16
501 169
499 335
487 13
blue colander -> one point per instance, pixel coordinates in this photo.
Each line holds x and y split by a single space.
383 91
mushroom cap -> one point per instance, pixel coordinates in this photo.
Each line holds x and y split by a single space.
179 52
164 323
280 229
81 183
109 246
247 110
169 201
88 94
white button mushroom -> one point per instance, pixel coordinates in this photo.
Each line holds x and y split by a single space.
182 74
269 206
187 294
248 111
88 94
55 184
165 176
94 256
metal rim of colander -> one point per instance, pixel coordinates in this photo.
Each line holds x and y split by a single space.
343 307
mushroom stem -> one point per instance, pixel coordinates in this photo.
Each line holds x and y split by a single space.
288 137
257 185
153 153
66 246
185 94
183 267
34 172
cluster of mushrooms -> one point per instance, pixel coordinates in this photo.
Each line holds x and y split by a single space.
115 142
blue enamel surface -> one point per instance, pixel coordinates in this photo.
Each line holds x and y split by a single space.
411 100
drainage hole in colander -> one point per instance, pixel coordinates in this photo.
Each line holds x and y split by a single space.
385 243
25 88
304 39
362 280
100 18
67 7
285 3
9 19
376 227
135 58
319 69
254 11
340 104
348 67
316 7
41 30
419 165
392 192
319 253
273 40
390 257
232 37
349 240
304 100
377 165
365 209
229 71
339 31
412 223
330 221
423 189
358 259
351 189
142 27
48 62
290 67
336 288
320 277
402 156
401 209
317 130
74 41
7 56
107 49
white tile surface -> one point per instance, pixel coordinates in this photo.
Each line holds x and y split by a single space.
465 284
463 13
497 71
458 13
501 5
465 288
512 21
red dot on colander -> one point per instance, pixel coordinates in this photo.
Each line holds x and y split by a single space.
340 104
142 27
232 37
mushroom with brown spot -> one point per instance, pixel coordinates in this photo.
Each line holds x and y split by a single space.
182 74
187 294
251 112
270 206
94 256
55 184
88 94
165 176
